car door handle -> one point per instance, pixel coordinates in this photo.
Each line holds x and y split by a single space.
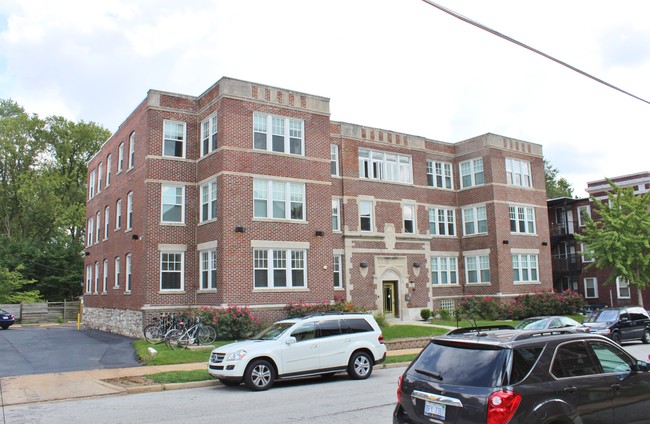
313 346
570 389
615 387
348 340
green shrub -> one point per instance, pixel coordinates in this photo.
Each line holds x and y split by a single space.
381 320
425 314
299 309
522 306
444 314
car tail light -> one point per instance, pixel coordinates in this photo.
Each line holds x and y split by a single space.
502 406
11 316
399 389
381 339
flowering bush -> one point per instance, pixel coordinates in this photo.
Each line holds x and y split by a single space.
523 306
231 323
298 309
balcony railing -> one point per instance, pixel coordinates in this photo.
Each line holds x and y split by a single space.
567 263
563 229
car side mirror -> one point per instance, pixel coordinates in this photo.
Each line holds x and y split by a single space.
642 366
290 340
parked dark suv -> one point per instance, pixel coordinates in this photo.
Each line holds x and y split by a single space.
620 324
515 376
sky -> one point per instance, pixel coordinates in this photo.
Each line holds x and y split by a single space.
397 65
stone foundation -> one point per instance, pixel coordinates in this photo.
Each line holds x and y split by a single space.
118 321
414 343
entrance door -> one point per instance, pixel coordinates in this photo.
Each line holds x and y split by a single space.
390 299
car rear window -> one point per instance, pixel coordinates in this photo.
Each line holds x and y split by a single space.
462 364
523 360
355 325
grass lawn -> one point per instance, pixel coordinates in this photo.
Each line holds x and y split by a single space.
467 323
406 331
167 356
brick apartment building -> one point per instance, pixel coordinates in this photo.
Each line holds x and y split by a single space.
250 195
571 269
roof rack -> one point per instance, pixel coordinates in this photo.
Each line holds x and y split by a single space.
479 329
320 314
541 333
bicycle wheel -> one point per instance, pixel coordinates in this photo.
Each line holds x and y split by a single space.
207 335
153 334
175 339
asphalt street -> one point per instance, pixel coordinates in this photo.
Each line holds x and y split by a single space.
30 350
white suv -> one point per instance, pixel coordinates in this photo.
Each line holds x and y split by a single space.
313 345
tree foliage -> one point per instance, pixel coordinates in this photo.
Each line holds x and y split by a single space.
556 186
43 199
618 238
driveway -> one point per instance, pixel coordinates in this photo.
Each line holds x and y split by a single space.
28 350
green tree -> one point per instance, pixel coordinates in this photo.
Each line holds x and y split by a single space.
556 186
619 236
11 285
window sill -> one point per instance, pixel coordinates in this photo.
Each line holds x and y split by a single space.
127 293
521 283
173 224
206 222
441 286
171 291
288 221
202 291
279 289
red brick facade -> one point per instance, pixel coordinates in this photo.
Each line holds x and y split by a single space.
396 262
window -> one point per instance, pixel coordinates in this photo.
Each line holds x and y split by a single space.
173 204
611 359
525 268
118 214
129 274
98 234
89 278
105 274
573 360
591 288
91 184
584 213
117 273
444 271
338 278
91 231
107 215
285 136
471 173
475 220
100 174
408 218
96 286
174 139
129 210
439 174
209 134
518 173
278 200
279 268
587 254
385 166
622 288
334 159
208 269
365 215
336 215
522 219
477 269
109 162
442 222
120 158
131 149
171 270
208 201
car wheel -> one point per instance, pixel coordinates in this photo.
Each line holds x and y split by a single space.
259 375
646 336
228 382
617 338
360 366
4 327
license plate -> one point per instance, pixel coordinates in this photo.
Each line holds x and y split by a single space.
435 410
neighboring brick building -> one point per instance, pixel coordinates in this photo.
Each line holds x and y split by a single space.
571 269
250 195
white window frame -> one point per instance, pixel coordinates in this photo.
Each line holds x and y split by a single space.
525 225
209 134
444 217
440 175
475 216
89 278
128 285
475 173
525 268
105 277
98 227
337 270
518 173
100 172
118 214
480 264
267 260
171 133
409 216
180 271
334 159
268 193
621 286
208 201
268 126
132 150
336 215
370 216
91 184
164 197
129 211
594 281
383 166
109 163
444 271
584 249
96 279
120 158
208 269
90 233
580 210
117 268
107 218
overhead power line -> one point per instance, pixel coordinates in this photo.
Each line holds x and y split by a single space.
519 43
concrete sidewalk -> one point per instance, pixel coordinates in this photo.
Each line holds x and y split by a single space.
19 390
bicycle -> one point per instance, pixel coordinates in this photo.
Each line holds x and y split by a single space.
160 331
197 334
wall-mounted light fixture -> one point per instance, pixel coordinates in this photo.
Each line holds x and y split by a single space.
319 233
505 242
544 243
416 264
87 253
135 237
363 264
239 229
